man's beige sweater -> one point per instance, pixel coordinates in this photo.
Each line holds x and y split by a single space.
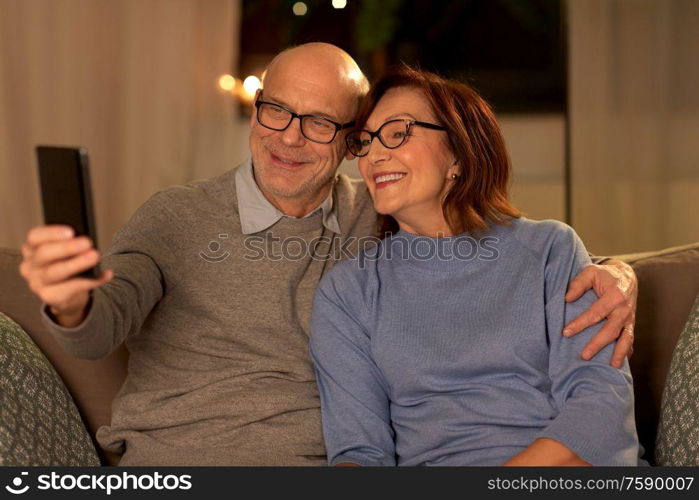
216 324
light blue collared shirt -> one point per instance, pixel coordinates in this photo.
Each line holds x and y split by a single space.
257 213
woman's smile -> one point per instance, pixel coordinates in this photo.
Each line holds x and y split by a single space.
383 179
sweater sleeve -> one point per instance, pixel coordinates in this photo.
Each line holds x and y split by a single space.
353 393
597 259
594 399
138 255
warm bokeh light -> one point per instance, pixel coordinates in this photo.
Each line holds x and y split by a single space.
243 90
251 84
226 82
300 9
339 4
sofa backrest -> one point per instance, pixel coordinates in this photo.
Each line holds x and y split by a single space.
668 284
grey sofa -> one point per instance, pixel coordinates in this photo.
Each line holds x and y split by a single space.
669 282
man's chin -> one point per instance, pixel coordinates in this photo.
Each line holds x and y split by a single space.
277 187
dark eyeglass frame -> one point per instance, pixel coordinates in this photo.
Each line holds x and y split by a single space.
292 115
408 125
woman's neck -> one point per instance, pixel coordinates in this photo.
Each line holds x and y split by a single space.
432 224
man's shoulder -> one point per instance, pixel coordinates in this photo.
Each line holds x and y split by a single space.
354 206
216 193
219 186
352 190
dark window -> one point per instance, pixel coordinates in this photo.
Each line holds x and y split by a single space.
511 50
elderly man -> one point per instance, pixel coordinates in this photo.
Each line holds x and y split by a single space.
210 284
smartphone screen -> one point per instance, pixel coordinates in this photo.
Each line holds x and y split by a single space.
65 192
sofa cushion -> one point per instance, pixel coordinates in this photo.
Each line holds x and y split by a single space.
39 422
678 431
93 384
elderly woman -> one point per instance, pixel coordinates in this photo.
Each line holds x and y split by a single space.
441 345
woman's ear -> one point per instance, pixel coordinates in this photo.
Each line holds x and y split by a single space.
454 170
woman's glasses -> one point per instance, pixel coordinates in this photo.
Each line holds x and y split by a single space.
392 135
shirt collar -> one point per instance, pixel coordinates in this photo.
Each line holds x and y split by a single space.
258 214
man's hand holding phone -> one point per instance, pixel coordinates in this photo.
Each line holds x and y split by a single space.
51 258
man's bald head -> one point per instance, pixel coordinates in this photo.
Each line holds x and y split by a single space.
320 60
312 80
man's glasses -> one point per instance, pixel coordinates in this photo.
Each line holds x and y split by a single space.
314 128
392 134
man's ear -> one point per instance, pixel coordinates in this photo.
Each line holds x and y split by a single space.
253 111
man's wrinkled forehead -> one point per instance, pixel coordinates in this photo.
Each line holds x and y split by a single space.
307 108
310 93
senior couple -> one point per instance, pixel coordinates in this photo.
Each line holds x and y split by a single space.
416 356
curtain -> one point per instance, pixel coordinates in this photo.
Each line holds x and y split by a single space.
634 111
133 81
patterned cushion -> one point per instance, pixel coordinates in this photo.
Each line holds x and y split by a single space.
39 422
678 431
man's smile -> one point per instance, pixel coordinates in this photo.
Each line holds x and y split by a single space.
284 162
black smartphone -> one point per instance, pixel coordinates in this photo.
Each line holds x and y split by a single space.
66 195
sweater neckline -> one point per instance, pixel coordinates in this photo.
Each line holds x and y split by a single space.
293 225
446 254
